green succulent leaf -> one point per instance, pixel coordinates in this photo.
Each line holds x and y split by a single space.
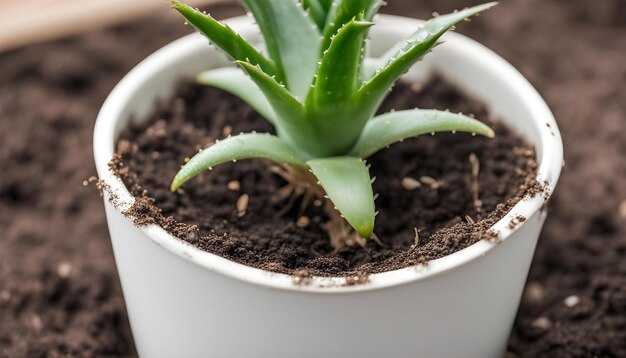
347 183
326 4
291 123
225 38
368 68
386 129
316 11
342 11
292 40
413 49
372 10
234 81
320 93
434 24
242 146
337 75
282 101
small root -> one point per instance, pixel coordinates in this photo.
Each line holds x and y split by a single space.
292 199
377 240
283 193
474 188
299 185
341 235
416 240
306 200
304 186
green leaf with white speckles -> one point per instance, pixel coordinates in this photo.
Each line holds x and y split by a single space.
386 129
341 12
410 51
242 146
337 77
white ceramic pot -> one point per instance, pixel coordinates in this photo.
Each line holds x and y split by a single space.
184 302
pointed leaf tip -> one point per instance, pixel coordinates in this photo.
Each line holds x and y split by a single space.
224 38
242 146
346 181
489 5
404 54
388 128
337 75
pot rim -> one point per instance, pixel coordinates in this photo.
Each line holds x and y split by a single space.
548 171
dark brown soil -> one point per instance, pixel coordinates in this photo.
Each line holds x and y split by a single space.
59 292
149 157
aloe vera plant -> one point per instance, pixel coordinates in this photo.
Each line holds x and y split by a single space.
313 84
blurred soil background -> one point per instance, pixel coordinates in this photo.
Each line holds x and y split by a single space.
59 290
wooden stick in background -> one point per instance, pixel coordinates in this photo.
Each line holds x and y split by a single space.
31 21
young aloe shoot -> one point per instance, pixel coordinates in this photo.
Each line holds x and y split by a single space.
315 88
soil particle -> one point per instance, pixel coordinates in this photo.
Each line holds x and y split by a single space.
410 184
302 278
516 221
359 279
246 228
